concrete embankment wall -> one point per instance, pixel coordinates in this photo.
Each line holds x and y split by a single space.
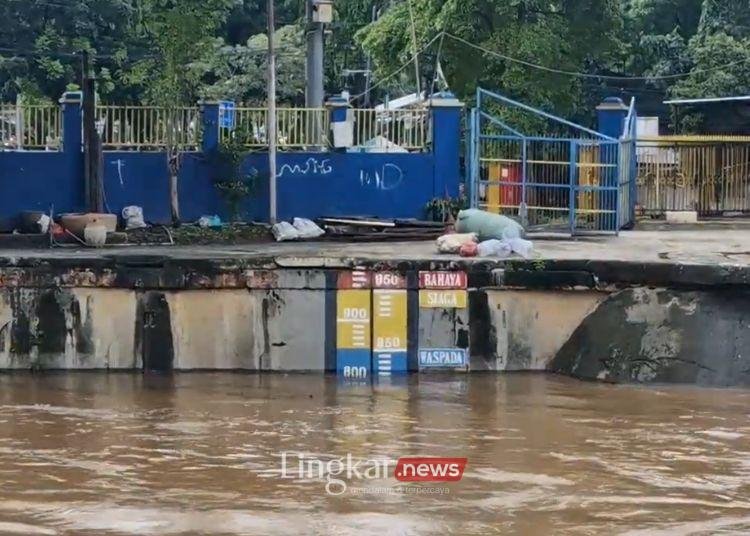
220 317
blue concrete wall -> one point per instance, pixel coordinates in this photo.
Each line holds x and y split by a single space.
39 181
310 184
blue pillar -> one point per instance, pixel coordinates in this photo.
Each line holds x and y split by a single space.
342 134
446 143
611 115
72 148
72 117
210 116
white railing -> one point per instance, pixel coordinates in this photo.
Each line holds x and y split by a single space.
300 128
149 127
296 128
36 127
391 130
152 128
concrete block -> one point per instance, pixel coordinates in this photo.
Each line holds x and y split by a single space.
682 216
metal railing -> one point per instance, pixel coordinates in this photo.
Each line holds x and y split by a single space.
404 130
35 127
297 128
707 174
149 127
152 128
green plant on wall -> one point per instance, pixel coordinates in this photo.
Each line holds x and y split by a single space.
444 209
233 184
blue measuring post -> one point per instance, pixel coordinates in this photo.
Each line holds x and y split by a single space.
390 329
354 326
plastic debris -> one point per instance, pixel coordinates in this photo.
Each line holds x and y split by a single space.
284 231
451 243
209 221
505 248
524 248
133 216
307 228
44 223
469 249
95 235
487 225
494 248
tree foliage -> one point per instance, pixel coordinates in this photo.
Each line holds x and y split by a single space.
183 50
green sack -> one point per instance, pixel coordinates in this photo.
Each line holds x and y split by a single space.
487 225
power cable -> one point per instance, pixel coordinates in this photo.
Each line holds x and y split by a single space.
589 75
399 70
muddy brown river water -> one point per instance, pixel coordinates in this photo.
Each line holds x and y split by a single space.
97 454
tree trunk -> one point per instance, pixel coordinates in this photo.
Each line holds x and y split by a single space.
173 162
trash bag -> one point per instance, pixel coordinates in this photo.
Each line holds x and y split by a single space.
283 231
209 221
469 249
488 226
133 216
505 248
451 243
44 223
494 248
524 248
307 228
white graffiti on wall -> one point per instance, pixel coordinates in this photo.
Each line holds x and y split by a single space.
120 164
386 178
312 166
389 177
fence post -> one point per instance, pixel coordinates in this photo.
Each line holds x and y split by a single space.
446 143
342 130
72 116
611 115
72 148
210 119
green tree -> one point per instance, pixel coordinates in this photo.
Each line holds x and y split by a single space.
180 31
41 41
565 34
239 72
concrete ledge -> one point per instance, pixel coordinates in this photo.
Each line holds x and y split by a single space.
162 272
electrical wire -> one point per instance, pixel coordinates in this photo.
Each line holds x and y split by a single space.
397 71
19 54
589 75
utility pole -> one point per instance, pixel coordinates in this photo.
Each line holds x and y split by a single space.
271 122
414 46
93 182
368 68
314 92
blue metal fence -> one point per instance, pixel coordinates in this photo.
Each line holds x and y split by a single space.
574 180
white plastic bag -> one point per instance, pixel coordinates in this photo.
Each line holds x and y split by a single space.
524 248
307 228
95 235
283 231
44 223
494 248
133 217
451 243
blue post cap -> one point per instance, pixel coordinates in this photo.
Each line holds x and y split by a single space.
445 99
71 97
337 102
612 103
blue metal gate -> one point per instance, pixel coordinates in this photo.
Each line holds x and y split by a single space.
574 181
